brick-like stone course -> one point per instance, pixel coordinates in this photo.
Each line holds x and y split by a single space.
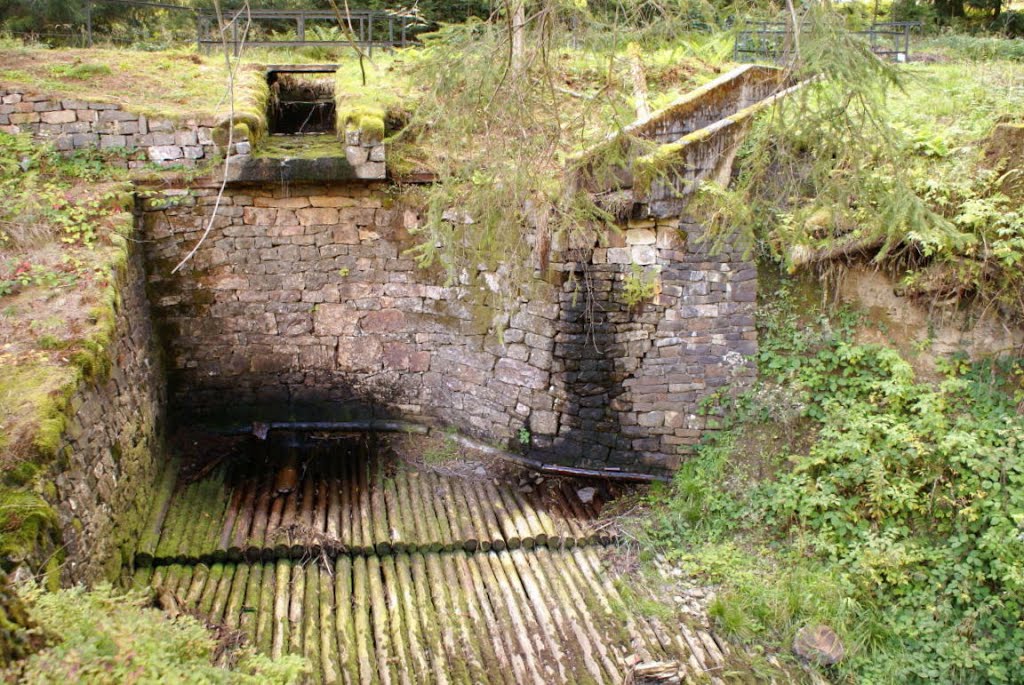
75 124
305 295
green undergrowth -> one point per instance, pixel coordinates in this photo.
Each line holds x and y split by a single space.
844 491
63 253
896 167
103 636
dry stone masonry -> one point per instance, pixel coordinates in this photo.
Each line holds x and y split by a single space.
77 124
112 444
303 297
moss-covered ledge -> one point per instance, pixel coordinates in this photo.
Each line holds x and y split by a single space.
73 504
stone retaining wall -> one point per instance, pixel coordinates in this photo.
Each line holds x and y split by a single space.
303 297
76 124
112 445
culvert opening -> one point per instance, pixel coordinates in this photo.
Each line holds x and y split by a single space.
382 557
301 103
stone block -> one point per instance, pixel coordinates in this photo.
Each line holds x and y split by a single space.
360 354
24 118
112 140
520 374
116 115
384 321
619 255
640 236
164 153
317 215
335 319
544 422
63 116
85 139
644 254
281 202
371 170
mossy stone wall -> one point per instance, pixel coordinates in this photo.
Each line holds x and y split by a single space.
110 451
303 304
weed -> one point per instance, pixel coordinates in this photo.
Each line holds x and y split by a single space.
898 525
79 72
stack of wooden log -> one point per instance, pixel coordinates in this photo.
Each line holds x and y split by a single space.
514 616
350 505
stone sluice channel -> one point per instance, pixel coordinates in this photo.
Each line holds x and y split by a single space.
381 571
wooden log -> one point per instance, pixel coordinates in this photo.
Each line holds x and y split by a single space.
231 513
419 661
467 494
536 617
504 518
397 528
412 513
507 609
323 504
184 576
396 622
433 542
275 519
581 661
237 542
526 535
332 525
481 623
171 528
581 622
487 513
217 499
547 523
282 595
347 651
379 518
576 535
330 662
603 590
220 580
365 511
311 622
150 537
266 607
347 508
456 656
189 525
200 573
159 580
533 524
505 643
429 620
365 653
286 528
462 526
141 577
172 580
433 502
381 630
236 598
302 543
251 604
469 644
253 544
296 609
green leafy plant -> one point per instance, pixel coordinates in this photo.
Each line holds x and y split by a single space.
639 285
891 509
103 636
